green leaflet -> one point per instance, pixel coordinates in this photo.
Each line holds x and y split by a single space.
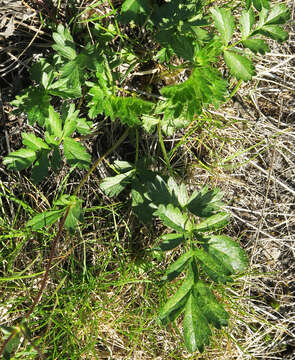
54 123
177 301
129 109
33 142
214 268
75 215
140 203
45 218
134 10
275 32
43 73
113 185
13 343
35 103
214 222
41 167
208 305
70 120
171 241
20 159
176 268
182 45
76 154
224 22
259 4
256 46
228 252
278 14
196 331
240 66
68 86
75 211
247 21
205 203
173 218
64 43
178 192
159 193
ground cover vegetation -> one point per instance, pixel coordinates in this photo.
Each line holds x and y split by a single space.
134 74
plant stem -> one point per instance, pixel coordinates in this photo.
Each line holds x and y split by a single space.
164 150
55 241
137 146
234 91
44 279
99 160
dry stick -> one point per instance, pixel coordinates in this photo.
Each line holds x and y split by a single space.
55 241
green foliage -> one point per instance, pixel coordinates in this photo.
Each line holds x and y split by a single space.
90 79
66 203
43 155
216 257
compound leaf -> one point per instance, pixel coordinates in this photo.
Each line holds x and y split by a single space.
241 67
76 154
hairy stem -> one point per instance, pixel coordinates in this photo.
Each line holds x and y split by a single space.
166 158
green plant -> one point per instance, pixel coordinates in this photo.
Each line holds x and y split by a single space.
93 75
